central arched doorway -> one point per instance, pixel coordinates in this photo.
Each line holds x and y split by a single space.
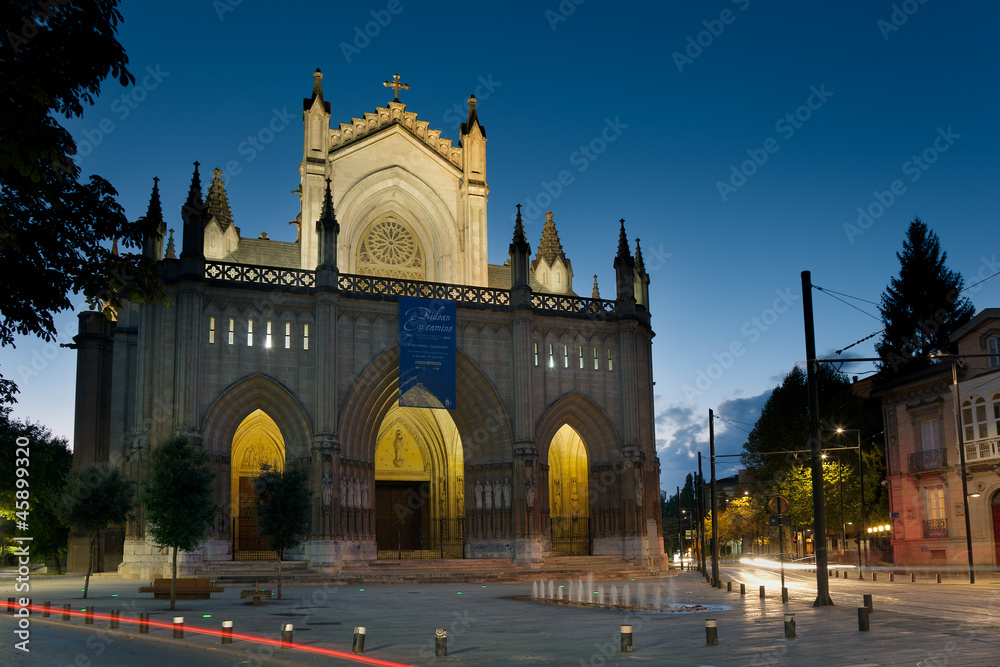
257 442
569 493
419 503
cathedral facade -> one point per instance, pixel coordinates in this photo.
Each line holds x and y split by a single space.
288 353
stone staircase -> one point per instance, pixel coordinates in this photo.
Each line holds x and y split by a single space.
436 571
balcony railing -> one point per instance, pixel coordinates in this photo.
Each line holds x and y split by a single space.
982 449
377 286
931 459
935 528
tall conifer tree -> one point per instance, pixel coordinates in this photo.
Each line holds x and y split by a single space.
921 307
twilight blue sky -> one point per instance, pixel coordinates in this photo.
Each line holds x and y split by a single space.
824 107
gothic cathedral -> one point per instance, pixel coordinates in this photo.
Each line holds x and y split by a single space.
288 353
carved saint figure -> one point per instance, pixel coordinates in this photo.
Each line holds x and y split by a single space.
397 448
327 489
364 494
488 491
479 495
638 490
343 492
529 491
497 494
506 493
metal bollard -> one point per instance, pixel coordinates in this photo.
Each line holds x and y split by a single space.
227 632
178 627
913 577
711 632
867 599
45 609
88 617
761 592
784 594
892 577
729 587
836 574
874 576
440 643
144 623
743 589
789 626
938 577
113 624
11 603
286 635
626 631
65 612
359 640
863 619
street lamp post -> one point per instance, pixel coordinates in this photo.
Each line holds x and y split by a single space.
961 458
861 473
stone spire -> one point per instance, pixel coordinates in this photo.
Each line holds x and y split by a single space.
154 226
519 252
328 228
549 248
317 94
624 276
472 120
641 287
193 214
596 293
217 203
171 253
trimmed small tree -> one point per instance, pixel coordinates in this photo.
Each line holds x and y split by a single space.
96 497
178 499
283 505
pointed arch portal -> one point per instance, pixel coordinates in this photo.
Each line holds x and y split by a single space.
256 443
569 493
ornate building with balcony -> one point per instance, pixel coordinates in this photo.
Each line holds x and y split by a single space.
922 440
288 353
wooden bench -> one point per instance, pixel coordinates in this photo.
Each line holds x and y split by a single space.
187 589
256 594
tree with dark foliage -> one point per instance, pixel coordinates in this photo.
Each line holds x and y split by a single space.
283 504
921 307
57 230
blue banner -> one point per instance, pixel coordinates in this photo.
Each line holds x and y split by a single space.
426 353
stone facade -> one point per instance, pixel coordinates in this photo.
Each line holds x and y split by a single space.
302 338
922 450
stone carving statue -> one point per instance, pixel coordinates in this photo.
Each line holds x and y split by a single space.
529 492
479 495
343 492
506 493
327 490
488 491
638 490
497 494
460 495
397 448
364 494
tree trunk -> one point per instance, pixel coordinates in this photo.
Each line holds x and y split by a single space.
173 582
281 553
90 565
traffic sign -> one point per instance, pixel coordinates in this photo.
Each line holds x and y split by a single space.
778 505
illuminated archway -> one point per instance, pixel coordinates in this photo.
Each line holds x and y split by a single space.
569 493
257 442
419 503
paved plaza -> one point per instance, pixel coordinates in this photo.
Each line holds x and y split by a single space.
921 623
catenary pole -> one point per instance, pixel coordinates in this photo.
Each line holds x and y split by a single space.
701 515
715 514
815 445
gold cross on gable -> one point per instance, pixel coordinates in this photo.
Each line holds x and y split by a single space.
396 85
